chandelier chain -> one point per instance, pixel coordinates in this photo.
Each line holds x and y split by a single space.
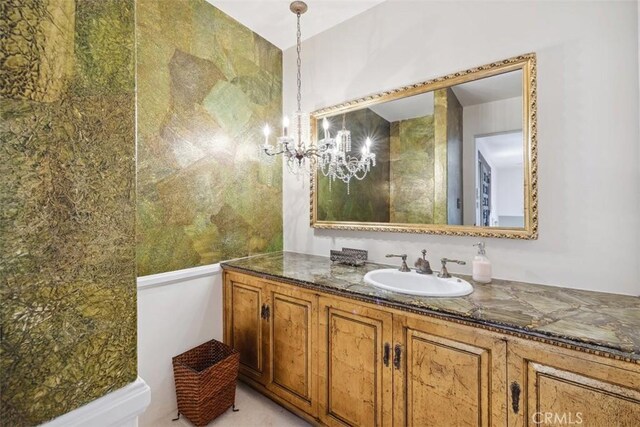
299 77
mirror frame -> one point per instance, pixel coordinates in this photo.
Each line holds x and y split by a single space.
526 63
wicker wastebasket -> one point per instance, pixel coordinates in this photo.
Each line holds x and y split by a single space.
205 378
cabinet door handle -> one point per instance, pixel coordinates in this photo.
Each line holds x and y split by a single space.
515 396
264 312
267 312
397 355
387 353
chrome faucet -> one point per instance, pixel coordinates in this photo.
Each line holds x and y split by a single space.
404 267
422 265
444 273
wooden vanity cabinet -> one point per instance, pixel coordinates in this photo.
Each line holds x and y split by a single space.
337 361
550 385
448 374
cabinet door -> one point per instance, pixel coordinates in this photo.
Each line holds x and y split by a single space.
449 374
293 323
554 386
246 326
355 384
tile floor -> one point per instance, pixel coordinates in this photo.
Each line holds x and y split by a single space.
255 410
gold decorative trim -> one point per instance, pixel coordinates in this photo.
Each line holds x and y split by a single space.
454 318
526 63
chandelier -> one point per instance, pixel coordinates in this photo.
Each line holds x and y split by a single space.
331 155
335 160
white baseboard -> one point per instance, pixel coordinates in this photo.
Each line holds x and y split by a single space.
170 277
117 409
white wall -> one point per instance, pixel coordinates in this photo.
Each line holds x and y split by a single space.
483 119
588 132
638 49
174 315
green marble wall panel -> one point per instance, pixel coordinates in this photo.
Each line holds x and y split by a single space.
448 157
440 211
206 86
412 170
368 200
67 191
454 159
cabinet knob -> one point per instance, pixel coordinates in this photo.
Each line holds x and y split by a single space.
515 396
397 355
265 312
387 354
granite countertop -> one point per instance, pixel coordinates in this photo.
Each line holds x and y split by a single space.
593 320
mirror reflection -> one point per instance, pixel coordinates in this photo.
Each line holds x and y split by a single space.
451 156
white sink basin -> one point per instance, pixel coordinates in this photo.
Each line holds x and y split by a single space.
413 283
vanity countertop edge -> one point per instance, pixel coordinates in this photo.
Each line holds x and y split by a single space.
598 322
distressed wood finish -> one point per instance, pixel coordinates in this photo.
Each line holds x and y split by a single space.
448 366
293 332
355 384
245 330
565 387
323 357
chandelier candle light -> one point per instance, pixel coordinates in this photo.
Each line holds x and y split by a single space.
332 154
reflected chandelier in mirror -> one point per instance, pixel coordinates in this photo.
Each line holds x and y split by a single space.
336 161
455 155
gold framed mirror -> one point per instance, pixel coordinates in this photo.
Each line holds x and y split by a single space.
455 155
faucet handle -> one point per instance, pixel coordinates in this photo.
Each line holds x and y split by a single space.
424 254
404 267
444 261
444 273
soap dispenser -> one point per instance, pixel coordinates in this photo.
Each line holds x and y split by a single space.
481 265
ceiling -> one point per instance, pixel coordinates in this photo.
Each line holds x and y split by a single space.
405 108
273 20
494 88
503 150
